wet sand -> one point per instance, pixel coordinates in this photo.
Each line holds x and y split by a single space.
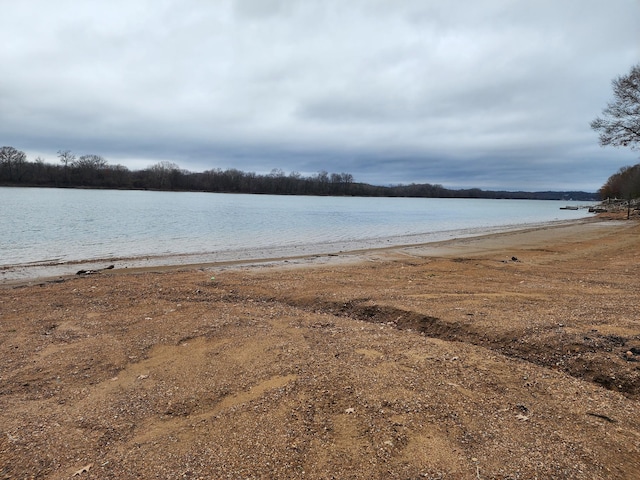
305 254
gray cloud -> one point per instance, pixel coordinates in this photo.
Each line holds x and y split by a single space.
498 94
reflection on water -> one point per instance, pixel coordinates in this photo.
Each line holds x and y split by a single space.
41 225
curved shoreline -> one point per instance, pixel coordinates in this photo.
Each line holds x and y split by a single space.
436 242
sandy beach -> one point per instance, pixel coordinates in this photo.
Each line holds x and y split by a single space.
504 356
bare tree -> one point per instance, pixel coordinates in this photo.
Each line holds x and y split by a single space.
322 176
66 157
89 169
620 124
90 162
163 174
12 160
347 177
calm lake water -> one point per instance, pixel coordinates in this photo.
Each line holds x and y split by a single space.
43 226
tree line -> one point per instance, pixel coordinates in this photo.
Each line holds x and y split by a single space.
624 184
94 171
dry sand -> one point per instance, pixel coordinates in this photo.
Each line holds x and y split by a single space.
510 356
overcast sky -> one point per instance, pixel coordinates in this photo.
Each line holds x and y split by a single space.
484 93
